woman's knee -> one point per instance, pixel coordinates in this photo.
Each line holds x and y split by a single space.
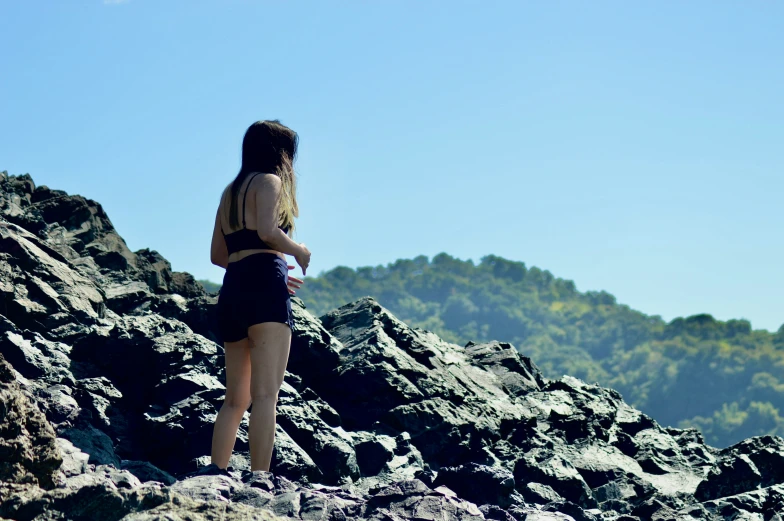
236 402
264 396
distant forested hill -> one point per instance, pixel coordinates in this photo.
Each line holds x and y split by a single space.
721 377
211 287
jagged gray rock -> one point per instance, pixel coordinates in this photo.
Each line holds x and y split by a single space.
113 376
28 452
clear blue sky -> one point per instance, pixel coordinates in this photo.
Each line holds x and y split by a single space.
635 147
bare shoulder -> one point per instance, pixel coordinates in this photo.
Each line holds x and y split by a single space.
266 178
255 183
265 182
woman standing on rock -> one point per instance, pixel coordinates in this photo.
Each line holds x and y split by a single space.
254 303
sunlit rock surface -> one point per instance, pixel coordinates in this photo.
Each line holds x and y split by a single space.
111 377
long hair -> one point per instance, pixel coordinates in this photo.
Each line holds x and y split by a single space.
269 147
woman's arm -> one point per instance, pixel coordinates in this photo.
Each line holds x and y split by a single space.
219 253
269 186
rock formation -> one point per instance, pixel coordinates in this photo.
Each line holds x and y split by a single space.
111 376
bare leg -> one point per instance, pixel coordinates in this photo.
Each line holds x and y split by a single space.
236 402
269 353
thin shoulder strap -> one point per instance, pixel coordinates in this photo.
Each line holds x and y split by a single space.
245 197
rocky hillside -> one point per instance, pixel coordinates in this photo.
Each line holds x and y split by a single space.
111 377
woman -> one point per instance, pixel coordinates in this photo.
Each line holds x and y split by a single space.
254 303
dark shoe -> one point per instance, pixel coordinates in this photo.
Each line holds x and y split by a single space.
211 470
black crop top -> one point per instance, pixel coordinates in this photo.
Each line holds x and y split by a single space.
246 239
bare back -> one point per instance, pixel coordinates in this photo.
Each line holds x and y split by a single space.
250 215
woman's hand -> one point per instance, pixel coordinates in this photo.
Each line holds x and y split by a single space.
303 257
294 282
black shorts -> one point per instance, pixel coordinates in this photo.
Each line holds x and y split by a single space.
254 290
